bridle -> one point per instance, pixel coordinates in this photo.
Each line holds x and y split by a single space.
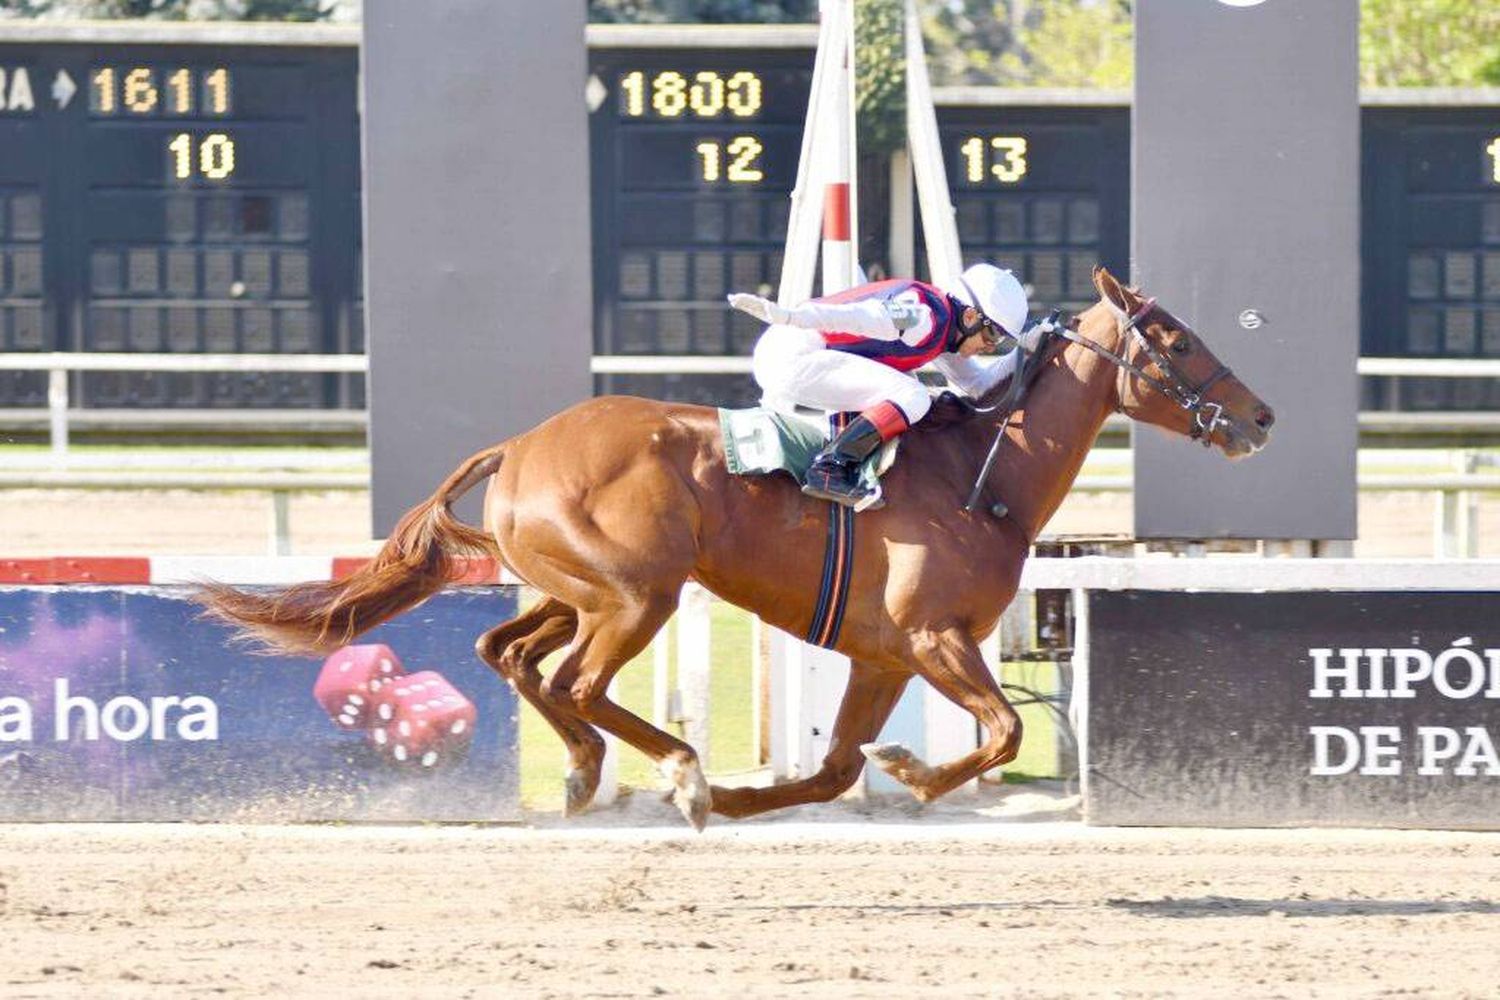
1207 415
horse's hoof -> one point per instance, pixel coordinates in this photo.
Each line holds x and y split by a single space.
690 791
886 755
579 787
899 762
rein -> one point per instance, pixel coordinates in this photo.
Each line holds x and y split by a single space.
1207 416
1020 382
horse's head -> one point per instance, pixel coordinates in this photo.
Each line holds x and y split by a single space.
1172 380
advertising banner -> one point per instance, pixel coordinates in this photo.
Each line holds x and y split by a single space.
1277 709
118 703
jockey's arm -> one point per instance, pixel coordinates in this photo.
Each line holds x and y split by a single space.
878 320
975 376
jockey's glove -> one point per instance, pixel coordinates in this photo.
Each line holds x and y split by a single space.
1032 338
762 309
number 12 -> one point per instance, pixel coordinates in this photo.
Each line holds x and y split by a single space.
744 150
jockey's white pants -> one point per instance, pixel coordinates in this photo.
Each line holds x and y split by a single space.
794 367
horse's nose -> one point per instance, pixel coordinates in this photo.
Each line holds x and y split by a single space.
1264 418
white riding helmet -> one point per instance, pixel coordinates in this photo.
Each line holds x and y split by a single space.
996 293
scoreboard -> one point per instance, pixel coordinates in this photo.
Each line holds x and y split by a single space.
1431 207
184 189
183 198
1042 190
694 155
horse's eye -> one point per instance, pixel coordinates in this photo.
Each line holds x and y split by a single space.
1182 345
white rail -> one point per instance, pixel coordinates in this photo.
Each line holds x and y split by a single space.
58 364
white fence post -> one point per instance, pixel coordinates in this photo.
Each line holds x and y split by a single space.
693 674
281 522
609 769
57 413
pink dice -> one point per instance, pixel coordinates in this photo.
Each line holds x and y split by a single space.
355 682
422 720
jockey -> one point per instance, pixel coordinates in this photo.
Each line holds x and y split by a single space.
859 350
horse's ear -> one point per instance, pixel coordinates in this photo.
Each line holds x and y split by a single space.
1113 292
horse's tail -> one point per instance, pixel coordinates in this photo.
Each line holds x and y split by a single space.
416 562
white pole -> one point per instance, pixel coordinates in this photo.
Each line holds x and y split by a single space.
609 769
799 262
903 216
939 224
661 682
57 413
838 228
693 630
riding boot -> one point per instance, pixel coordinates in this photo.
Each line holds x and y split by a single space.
834 473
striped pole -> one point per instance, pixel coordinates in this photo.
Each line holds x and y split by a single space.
837 123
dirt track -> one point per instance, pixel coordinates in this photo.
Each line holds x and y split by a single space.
798 909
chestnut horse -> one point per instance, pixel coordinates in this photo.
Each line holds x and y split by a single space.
610 506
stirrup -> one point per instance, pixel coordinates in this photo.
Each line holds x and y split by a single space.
862 500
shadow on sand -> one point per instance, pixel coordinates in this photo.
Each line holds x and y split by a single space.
1231 906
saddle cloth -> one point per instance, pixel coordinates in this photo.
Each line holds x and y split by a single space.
759 441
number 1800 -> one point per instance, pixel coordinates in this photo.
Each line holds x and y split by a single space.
211 158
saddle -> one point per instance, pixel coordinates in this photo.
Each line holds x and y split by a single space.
758 441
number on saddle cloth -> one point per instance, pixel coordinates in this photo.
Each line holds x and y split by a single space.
758 441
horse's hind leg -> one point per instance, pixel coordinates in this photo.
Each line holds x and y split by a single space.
868 700
605 641
514 650
951 662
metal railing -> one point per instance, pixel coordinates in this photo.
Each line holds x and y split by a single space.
1456 491
58 365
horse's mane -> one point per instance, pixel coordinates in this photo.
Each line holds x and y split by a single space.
949 409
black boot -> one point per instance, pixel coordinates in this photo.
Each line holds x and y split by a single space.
834 473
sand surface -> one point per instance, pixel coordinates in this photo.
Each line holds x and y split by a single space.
1003 896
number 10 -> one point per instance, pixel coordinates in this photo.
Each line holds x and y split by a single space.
215 156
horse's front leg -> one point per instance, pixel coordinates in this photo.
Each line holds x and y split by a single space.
950 661
870 696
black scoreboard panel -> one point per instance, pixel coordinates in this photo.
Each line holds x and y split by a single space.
27 323
1044 191
1431 281
188 199
694 155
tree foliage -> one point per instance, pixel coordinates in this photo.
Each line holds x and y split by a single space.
1063 43
275 10
1087 43
1429 43
880 75
702 11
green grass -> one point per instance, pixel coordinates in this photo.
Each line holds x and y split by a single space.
1039 754
734 746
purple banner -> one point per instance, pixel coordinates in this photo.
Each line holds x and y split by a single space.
117 703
